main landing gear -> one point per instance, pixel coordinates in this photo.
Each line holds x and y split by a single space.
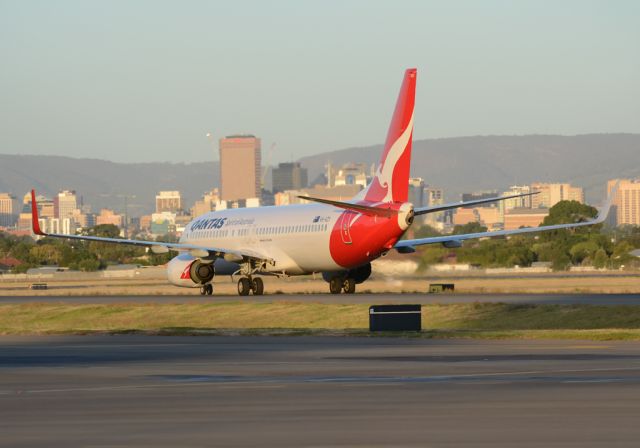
206 289
338 284
250 284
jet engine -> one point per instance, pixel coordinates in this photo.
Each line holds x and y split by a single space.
187 271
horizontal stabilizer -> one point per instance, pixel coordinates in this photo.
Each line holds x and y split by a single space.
359 208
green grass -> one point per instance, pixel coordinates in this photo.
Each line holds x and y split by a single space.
478 320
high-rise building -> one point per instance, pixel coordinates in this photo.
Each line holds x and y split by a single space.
168 201
6 210
240 167
288 176
64 204
626 204
550 194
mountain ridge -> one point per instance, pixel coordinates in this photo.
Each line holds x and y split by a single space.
456 164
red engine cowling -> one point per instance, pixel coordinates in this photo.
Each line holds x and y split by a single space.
189 272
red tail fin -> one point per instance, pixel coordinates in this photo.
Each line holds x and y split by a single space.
35 224
391 182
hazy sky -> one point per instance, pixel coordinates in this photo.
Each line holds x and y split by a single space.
146 80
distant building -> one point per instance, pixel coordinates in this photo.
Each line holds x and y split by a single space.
108 216
434 196
524 217
84 220
417 192
206 204
349 174
478 195
626 204
240 167
488 217
56 225
550 194
464 216
337 193
145 223
6 210
45 211
521 202
163 223
168 201
64 204
288 176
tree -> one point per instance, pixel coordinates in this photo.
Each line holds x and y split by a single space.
565 212
600 259
470 227
583 250
104 230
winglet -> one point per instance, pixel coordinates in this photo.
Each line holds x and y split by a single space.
35 224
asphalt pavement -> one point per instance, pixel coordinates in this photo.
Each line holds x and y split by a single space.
132 390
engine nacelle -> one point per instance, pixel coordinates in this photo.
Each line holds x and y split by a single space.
189 272
406 215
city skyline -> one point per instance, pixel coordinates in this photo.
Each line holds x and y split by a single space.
313 78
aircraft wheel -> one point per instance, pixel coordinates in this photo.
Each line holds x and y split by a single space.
209 288
257 286
203 290
335 285
244 287
349 285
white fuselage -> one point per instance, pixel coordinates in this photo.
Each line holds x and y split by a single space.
296 237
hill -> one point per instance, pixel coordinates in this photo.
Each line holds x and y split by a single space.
495 162
101 182
456 164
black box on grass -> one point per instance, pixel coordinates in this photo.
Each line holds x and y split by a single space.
395 318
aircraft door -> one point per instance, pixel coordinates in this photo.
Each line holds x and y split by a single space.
345 221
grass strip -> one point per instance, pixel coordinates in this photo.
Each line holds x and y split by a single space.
477 320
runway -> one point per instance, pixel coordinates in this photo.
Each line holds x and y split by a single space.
316 391
381 298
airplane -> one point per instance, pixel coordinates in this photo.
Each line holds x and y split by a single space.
335 238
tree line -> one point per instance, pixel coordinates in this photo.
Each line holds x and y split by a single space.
77 255
583 246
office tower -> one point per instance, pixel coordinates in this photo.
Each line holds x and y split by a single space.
626 204
240 167
288 176
6 210
64 204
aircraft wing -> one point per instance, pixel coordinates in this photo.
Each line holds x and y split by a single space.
155 246
406 246
449 206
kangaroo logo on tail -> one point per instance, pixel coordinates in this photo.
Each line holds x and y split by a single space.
391 182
